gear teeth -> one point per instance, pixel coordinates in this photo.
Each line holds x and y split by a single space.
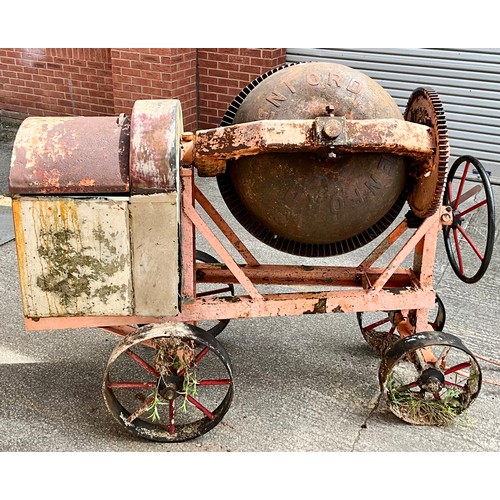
437 118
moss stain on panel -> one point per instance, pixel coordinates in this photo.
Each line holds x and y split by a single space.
77 257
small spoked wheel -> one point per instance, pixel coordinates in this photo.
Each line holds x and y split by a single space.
429 378
469 240
209 290
168 382
379 327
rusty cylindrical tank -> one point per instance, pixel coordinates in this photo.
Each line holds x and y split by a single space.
308 204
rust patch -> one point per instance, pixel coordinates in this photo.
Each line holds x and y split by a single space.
231 299
319 307
155 144
70 156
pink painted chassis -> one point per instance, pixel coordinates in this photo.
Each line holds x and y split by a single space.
347 289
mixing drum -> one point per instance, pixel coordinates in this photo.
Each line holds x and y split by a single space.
312 204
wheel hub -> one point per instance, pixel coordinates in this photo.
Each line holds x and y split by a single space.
431 380
169 387
457 220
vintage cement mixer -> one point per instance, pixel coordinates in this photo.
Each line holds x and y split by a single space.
314 160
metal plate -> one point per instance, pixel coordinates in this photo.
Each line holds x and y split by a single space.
75 155
74 256
156 129
155 254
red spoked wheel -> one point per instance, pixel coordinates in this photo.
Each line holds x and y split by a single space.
429 378
169 382
379 327
469 240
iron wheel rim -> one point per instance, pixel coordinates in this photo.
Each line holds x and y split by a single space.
133 419
455 234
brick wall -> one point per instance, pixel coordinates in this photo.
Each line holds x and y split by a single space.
56 82
224 72
65 81
155 74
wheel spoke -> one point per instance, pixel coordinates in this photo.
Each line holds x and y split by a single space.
470 209
223 381
451 384
200 355
456 368
374 325
130 385
142 363
410 385
462 182
140 410
200 407
459 253
441 362
471 243
171 413
469 194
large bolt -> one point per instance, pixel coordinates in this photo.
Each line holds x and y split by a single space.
332 129
169 391
446 218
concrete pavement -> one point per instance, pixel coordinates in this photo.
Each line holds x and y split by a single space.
301 383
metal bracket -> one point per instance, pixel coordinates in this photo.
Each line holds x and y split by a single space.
212 148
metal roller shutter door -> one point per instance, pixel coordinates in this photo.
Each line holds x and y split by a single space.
467 80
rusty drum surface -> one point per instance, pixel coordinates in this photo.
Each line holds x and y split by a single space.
306 204
70 155
156 129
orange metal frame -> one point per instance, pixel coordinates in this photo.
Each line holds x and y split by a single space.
347 289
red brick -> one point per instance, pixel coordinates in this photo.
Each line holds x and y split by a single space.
251 52
239 59
106 81
7 60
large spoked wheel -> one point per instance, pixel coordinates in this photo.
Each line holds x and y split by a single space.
429 378
169 382
379 327
216 326
469 240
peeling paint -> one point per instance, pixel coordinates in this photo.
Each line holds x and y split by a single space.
319 307
70 155
75 257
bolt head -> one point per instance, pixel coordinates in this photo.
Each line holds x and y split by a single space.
332 129
446 218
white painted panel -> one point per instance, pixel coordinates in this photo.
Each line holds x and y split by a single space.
155 251
74 256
